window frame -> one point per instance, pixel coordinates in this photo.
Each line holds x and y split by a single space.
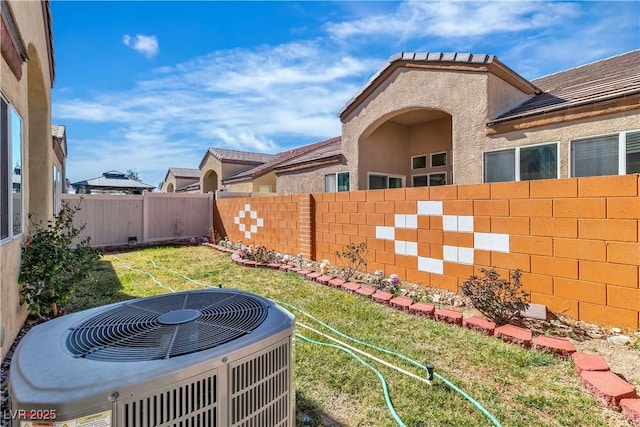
388 176
336 181
428 176
416 157
12 233
516 159
435 154
622 151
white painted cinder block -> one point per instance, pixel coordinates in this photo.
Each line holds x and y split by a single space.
450 253
260 222
465 224
242 214
491 241
412 248
430 265
450 223
429 208
411 221
254 228
247 207
387 233
401 247
247 234
236 220
465 255
243 227
254 214
400 220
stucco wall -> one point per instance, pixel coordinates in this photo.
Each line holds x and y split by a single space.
31 98
463 95
308 180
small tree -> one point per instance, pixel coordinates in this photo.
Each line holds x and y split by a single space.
495 297
51 265
133 174
353 257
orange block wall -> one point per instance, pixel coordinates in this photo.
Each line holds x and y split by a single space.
577 241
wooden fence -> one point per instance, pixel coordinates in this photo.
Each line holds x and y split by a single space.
150 217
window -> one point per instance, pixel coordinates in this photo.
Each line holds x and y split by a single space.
57 190
418 162
379 181
439 159
336 182
617 154
10 171
522 163
430 179
420 180
437 179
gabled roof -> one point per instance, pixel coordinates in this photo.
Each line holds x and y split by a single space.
321 154
235 156
281 158
441 61
112 180
607 79
185 172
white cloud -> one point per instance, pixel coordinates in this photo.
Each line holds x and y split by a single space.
146 45
420 19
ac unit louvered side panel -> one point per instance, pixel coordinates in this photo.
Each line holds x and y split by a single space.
191 404
260 389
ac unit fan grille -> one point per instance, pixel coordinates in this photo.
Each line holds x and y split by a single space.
166 326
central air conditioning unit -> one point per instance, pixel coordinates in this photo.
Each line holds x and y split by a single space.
215 357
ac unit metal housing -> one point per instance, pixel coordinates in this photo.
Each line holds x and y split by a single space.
205 358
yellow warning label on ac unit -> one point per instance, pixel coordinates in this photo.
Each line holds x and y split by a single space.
102 419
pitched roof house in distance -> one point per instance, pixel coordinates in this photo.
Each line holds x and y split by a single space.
112 182
219 163
181 180
31 148
267 177
436 118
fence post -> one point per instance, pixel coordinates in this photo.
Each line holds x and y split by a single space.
211 199
305 237
145 216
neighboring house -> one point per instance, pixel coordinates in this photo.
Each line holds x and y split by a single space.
181 180
27 148
320 169
436 119
219 163
266 177
112 182
58 169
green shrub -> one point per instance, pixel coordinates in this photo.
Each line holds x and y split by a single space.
52 265
495 297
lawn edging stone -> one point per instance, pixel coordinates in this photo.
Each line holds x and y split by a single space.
593 370
514 334
559 346
453 317
631 410
479 324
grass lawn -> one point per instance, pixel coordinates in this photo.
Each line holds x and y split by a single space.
519 387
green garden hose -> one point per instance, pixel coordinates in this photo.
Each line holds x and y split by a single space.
458 390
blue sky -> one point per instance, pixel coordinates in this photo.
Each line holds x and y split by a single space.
151 85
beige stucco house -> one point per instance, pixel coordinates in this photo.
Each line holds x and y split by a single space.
434 119
181 180
28 149
219 163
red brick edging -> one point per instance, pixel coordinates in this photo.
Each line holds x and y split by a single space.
593 370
